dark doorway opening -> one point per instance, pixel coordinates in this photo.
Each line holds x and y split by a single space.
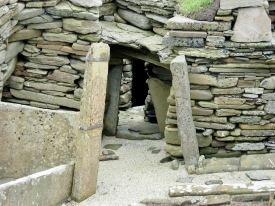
140 87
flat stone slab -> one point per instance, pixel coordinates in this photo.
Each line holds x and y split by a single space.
233 4
184 23
252 25
145 128
256 176
124 133
112 146
185 180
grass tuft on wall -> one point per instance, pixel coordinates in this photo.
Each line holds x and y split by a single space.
192 6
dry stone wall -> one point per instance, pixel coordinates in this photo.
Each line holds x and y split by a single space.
231 74
43 45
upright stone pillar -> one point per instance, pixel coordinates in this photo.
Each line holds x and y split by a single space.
113 89
186 127
91 122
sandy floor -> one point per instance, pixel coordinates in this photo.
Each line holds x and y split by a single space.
139 175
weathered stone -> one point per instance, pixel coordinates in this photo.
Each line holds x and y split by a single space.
227 91
225 106
257 162
201 94
269 96
203 52
48 86
78 65
201 111
268 83
39 66
184 23
252 25
216 200
256 113
258 133
256 176
270 107
111 114
225 4
67 9
11 13
80 47
29 13
228 100
43 105
141 21
208 150
81 26
170 41
227 126
153 43
125 98
63 77
24 35
240 139
188 34
221 133
62 101
221 120
222 165
203 79
44 18
107 9
245 119
13 49
70 38
49 25
54 61
87 3
175 164
42 3
173 150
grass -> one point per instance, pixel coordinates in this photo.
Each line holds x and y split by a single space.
192 6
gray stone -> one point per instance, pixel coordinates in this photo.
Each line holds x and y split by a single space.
184 23
209 125
47 25
47 86
203 52
245 146
39 66
3 10
270 107
107 9
256 176
171 41
175 164
214 182
44 18
233 4
67 9
11 13
54 61
153 43
258 133
111 114
245 119
201 94
139 20
81 26
70 38
269 96
201 111
87 3
31 48
252 25
25 34
185 180
63 77
28 13
216 200
78 65
264 161
268 83
125 98
190 34
13 49
43 105
62 101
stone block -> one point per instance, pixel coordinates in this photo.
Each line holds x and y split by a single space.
29 13
233 4
252 25
49 25
24 34
257 162
81 26
192 42
50 187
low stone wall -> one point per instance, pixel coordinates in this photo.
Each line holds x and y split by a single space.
34 139
50 187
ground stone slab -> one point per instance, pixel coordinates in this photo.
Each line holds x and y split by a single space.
29 13
81 26
63 77
245 146
87 3
70 38
252 25
54 61
257 162
256 176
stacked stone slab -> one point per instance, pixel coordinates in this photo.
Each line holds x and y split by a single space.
126 85
231 79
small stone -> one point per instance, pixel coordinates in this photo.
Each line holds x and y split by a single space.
214 182
185 180
156 151
191 169
112 146
166 159
175 164
256 176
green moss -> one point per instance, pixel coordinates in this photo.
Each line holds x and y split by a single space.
192 6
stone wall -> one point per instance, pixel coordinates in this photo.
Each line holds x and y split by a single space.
231 61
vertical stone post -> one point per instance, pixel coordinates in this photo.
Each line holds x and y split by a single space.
91 122
186 127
